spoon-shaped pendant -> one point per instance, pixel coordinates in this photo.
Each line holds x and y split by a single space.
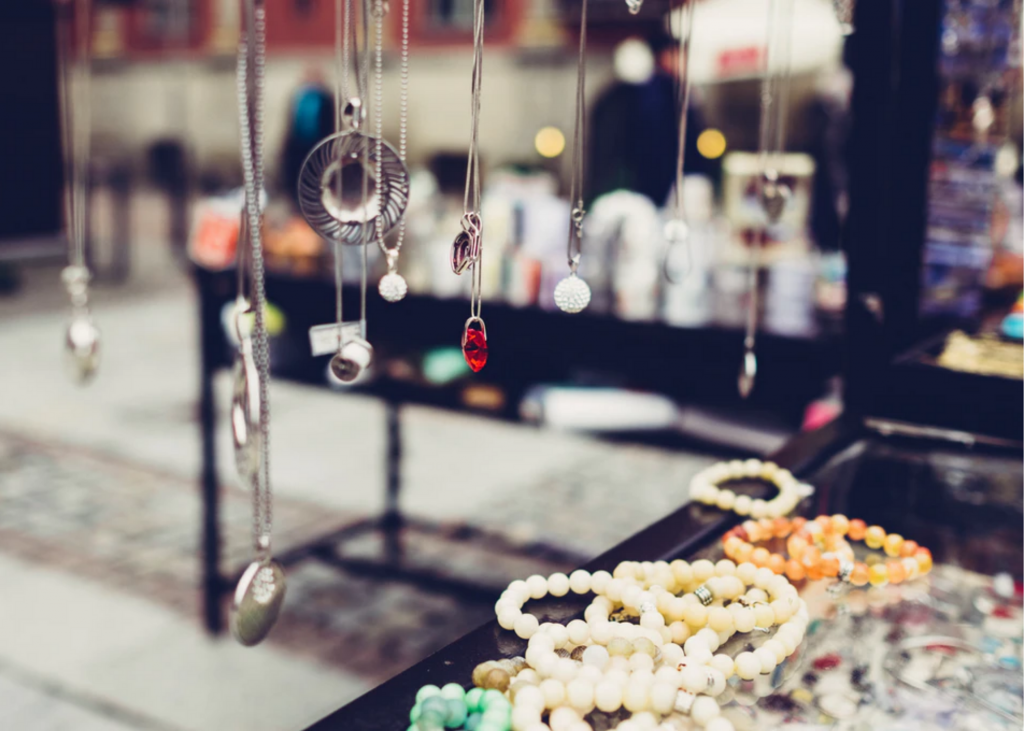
352 360
82 347
747 373
257 601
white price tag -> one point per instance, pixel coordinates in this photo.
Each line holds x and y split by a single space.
325 339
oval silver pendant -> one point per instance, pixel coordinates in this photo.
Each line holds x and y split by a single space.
336 165
82 348
352 361
257 602
572 294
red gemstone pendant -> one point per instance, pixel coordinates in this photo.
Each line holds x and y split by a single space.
474 344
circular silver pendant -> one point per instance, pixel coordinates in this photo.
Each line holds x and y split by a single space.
355 357
393 287
257 602
245 415
331 187
82 348
572 294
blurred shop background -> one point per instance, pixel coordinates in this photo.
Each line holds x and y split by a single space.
121 519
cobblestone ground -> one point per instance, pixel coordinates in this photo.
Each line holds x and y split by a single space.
136 529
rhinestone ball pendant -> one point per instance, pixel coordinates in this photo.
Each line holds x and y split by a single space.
393 287
572 294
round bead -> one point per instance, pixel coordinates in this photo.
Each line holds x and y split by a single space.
693 678
710 638
777 648
562 718
663 698
579 632
682 572
702 570
537 586
723 664
600 632
680 631
525 626
608 696
878 574
704 709
767 659
874 537
507 618
635 697
748 667
565 670
744 619
639 661
580 694
580 581
696 615
553 691
558 585
599 581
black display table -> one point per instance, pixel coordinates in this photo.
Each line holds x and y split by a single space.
962 501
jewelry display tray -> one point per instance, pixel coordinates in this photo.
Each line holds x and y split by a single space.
953 642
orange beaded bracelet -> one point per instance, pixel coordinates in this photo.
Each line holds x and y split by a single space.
819 549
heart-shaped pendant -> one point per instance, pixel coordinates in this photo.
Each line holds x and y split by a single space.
463 252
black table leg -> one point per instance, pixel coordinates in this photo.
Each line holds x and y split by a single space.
391 522
209 334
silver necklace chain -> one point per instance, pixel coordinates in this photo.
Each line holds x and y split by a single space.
76 113
685 31
575 243
472 197
250 78
772 195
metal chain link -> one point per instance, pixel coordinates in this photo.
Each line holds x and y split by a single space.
251 83
574 248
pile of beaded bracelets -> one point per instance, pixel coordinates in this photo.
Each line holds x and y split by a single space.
705 487
819 549
658 667
452 707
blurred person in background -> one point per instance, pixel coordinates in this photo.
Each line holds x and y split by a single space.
311 118
634 127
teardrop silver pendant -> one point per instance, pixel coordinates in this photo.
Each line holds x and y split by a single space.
257 601
82 348
748 372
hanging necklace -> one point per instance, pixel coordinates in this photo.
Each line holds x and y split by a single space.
327 176
82 340
467 249
572 294
677 233
260 592
773 194
392 286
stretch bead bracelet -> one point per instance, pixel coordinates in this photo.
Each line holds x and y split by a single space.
705 487
819 549
665 665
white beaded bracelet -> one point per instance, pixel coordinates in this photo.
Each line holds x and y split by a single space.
705 487
656 667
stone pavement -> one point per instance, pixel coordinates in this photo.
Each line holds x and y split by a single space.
99 527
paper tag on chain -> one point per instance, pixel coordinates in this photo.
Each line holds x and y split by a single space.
325 339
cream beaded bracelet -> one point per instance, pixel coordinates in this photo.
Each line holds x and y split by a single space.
643 668
705 487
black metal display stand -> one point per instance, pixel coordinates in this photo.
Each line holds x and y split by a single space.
529 346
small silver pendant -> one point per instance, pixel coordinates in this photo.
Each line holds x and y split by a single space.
634 6
774 198
257 602
352 361
82 348
392 287
572 294
748 373
245 414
